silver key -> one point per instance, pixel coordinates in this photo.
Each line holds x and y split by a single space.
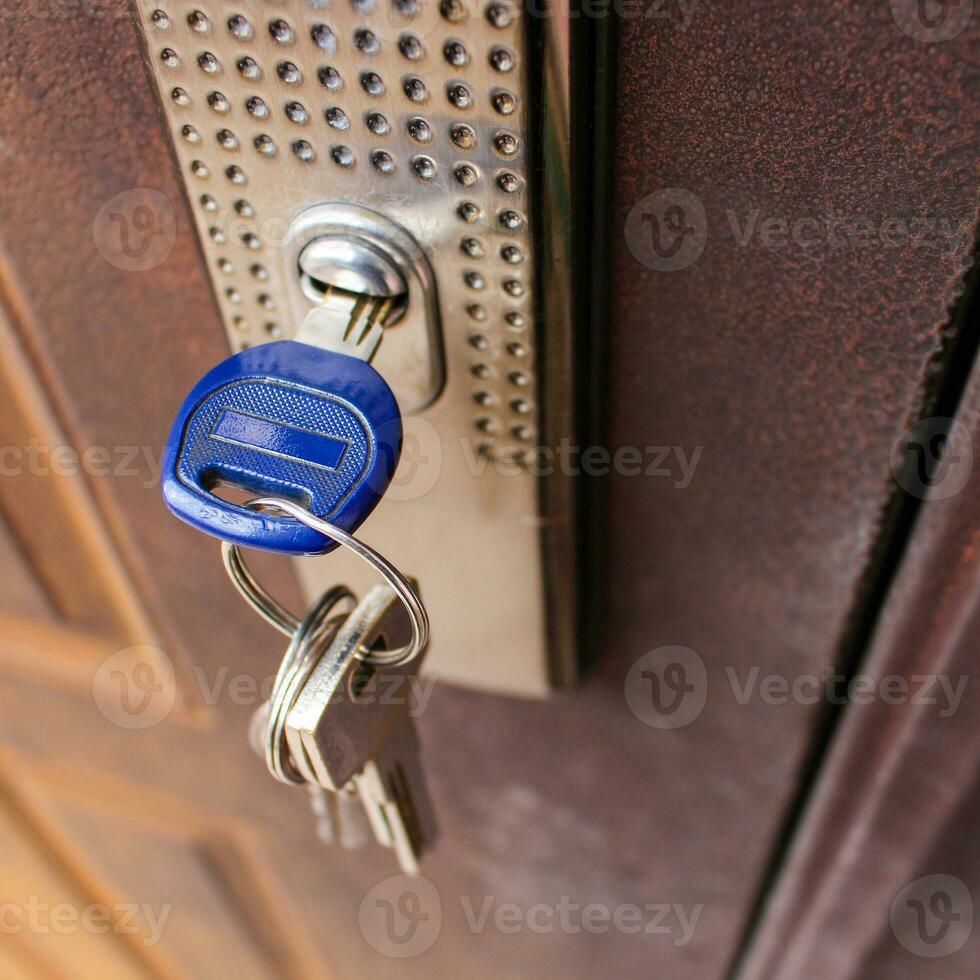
347 323
323 803
351 722
394 795
340 818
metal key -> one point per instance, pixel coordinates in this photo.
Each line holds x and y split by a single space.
395 797
306 419
346 725
337 815
340 818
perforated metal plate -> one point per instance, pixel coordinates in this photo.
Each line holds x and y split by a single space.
420 111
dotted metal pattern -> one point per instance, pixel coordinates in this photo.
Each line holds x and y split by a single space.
412 107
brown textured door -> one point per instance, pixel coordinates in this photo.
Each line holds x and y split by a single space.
786 367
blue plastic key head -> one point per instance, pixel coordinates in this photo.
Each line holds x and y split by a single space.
290 420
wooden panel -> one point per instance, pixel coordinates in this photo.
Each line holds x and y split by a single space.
47 504
53 923
21 593
189 877
69 602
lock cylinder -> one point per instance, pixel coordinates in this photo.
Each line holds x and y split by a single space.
352 265
348 247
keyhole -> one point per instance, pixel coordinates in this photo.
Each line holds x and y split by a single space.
350 264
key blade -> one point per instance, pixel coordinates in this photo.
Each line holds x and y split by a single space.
347 323
352 830
396 798
333 726
258 728
370 791
324 805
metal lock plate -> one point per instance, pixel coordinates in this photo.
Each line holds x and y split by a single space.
414 115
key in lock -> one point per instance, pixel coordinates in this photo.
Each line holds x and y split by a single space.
310 420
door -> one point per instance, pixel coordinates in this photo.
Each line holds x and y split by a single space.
679 811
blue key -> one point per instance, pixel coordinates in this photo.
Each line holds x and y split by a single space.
307 419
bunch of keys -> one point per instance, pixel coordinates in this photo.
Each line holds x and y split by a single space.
310 420
326 726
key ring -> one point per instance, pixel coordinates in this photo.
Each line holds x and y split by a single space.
272 611
312 635
283 620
